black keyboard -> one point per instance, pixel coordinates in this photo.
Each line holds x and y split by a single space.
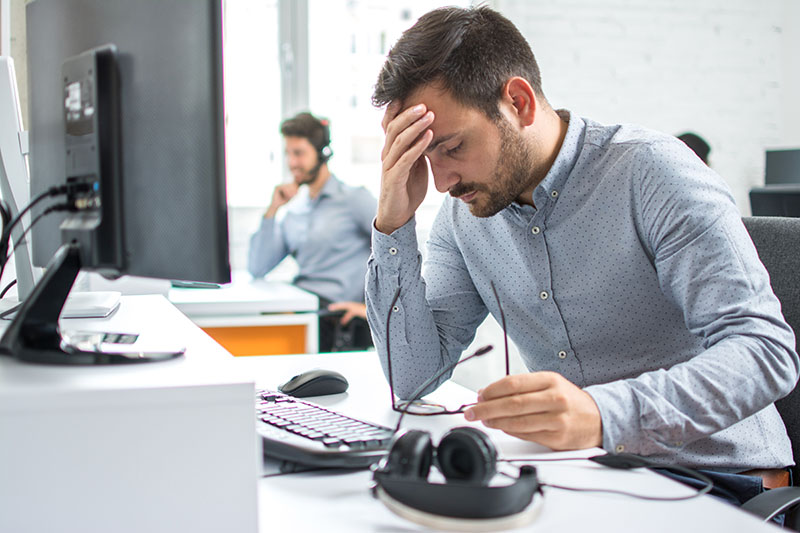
301 433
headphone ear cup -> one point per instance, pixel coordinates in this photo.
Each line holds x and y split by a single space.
467 454
410 456
325 154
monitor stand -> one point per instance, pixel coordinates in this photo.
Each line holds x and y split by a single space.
34 334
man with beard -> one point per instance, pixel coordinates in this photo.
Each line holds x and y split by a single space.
620 263
325 225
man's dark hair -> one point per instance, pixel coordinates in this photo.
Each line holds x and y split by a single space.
470 52
310 127
697 144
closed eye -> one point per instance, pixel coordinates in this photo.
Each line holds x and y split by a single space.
453 151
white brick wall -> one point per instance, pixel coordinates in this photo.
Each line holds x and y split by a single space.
721 68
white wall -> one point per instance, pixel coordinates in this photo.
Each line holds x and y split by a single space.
726 69
790 103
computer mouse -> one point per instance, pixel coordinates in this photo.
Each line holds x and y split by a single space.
317 382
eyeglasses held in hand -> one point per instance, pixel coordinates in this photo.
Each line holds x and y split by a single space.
420 407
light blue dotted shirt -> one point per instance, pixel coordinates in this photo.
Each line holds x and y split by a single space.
329 236
635 279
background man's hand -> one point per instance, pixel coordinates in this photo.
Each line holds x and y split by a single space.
404 173
542 407
351 310
282 194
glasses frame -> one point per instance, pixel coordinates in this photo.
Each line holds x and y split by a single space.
405 407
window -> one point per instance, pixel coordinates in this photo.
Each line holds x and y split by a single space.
252 101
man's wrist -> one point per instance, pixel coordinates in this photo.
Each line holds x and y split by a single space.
387 229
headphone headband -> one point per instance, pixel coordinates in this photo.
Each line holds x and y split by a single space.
460 499
466 458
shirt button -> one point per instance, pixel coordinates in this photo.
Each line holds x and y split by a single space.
393 251
535 230
562 354
620 448
543 295
395 309
554 194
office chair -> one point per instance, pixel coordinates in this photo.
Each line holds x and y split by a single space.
777 240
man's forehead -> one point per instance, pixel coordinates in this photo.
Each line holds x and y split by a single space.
428 94
296 141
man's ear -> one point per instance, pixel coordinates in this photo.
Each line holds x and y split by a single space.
519 100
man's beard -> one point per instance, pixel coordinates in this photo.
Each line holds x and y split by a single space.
512 174
309 177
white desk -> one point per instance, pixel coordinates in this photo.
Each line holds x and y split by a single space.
336 502
253 317
170 447
158 447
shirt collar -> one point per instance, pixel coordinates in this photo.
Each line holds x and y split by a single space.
548 190
331 188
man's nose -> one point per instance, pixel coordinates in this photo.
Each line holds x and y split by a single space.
444 178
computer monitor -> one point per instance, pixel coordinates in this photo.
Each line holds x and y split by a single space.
783 166
775 201
126 117
14 170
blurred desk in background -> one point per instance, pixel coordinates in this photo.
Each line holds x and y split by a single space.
253 317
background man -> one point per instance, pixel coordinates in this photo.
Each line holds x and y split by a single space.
697 144
325 225
626 277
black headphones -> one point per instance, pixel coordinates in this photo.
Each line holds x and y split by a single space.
467 459
324 150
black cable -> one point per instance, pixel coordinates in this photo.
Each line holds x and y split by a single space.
537 460
9 311
626 462
7 288
6 235
310 469
5 213
700 492
21 240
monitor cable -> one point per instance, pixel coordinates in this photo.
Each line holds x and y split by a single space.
10 222
7 256
7 288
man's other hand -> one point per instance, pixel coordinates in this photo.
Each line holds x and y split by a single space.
280 196
351 310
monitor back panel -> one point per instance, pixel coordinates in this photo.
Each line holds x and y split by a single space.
173 162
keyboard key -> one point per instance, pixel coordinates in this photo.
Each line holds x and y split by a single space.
311 434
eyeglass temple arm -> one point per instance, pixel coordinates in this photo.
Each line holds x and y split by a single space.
427 383
503 320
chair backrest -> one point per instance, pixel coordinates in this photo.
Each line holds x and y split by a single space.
777 240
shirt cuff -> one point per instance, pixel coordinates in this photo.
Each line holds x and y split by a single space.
622 432
398 248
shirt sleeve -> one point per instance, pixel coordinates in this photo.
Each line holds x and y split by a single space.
267 248
429 325
708 267
364 209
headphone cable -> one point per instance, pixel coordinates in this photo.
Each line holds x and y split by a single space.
626 462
